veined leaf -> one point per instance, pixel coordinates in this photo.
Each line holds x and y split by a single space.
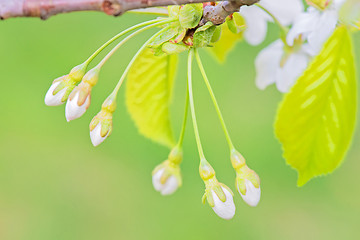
148 95
226 43
190 15
316 120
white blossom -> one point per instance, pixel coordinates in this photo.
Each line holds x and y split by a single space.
316 25
256 18
275 65
252 195
225 210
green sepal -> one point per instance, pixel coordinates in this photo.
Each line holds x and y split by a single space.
190 15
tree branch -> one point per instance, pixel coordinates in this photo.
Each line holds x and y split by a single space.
47 8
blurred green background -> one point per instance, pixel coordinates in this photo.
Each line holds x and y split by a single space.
54 185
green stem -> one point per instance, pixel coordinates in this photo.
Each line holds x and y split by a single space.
118 36
192 106
213 98
182 133
118 85
106 58
283 29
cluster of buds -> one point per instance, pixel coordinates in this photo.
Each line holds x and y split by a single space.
166 177
75 88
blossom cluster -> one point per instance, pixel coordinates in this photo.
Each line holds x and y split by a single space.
304 30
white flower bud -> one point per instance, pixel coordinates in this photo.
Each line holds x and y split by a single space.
73 110
225 210
168 187
78 103
252 195
55 100
95 135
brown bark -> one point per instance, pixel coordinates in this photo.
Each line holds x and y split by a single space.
47 8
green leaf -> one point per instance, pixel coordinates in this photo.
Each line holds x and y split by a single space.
171 32
148 95
172 48
190 15
203 35
227 42
316 120
236 23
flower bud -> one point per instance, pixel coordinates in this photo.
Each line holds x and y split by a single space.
101 124
248 185
59 91
79 99
78 102
167 178
220 198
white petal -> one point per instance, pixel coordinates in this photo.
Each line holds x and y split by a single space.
325 26
170 185
156 180
73 110
291 71
225 210
256 22
286 11
54 100
267 63
337 4
95 135
252 196
304 25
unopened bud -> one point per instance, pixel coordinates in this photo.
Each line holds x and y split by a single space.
167 177
101 125
248 185
220 198
78 102
59 91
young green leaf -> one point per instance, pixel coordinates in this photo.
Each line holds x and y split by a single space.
203 35
226 43
190 15
316 120
148 95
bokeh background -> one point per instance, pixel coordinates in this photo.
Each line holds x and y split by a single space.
55 185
